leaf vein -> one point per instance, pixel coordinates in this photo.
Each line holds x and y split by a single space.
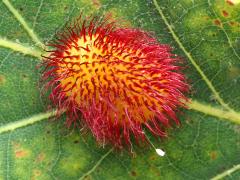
27 121
96 165
214 111
20 48
227 172
37 14
22 21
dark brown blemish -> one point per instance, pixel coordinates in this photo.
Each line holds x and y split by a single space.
87 177
225 13
152 158
214 34
213 155
232 23
76 141
133 173
25 77
217 22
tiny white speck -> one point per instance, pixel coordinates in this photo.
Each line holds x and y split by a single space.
160 152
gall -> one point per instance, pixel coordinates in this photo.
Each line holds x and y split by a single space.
114 81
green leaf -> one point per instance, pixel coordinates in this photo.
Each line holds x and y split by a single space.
205 33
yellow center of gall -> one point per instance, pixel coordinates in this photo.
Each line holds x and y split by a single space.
107 72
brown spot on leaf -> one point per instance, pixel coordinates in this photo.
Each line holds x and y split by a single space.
76 141
153 157
225 13
21 153
2 80
36 173
213 34
217 22
24 77
232 23
133 173
213 155
87 177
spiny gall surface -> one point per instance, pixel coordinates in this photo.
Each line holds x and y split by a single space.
114 81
